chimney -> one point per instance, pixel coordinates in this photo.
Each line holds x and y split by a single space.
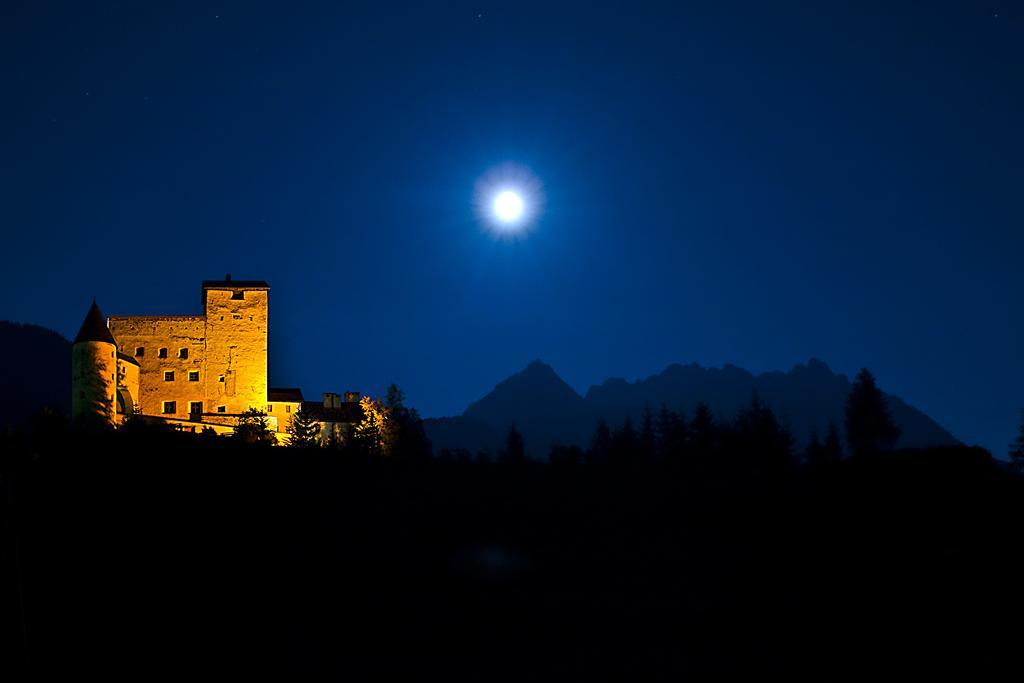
331 400
351 397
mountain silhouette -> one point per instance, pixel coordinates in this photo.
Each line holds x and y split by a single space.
37 373
548 411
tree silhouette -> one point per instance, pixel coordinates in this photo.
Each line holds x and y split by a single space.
405 434
371 435
831 451
1017 447
304 430
600 443
703 429
869 427
515 449
624 443
252 428
814 450
647 444
833 446
761 436
671 431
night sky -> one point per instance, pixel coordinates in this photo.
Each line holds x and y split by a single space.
748 183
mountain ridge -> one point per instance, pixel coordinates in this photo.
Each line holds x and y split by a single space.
547 410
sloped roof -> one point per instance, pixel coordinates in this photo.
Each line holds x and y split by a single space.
284 395
94 327
347 413
126 358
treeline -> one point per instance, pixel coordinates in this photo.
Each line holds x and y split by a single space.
755 439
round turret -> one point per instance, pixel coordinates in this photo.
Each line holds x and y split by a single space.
94 370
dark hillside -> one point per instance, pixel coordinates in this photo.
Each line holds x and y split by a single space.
139 556
36 374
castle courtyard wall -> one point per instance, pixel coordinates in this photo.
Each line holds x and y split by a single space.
218 360
173 333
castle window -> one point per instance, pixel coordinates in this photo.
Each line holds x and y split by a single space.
170 407
162 353
287 409
221 409
193 376
140 351
238 296
169 376
182 353
270 407
221 378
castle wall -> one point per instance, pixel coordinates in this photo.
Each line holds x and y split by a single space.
172 333
128 377
218 360
282 413
94 380
236 348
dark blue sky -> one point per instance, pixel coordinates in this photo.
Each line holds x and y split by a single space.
754 183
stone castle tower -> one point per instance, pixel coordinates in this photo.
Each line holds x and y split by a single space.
94 369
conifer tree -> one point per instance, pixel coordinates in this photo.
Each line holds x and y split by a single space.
671 431
405 434
304 430
624 443
814 450
703 429
646 446
600 443
761 434
515 447
823 453
832 449
869 427
371 434
252 428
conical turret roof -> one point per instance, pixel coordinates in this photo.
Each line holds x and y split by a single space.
94 327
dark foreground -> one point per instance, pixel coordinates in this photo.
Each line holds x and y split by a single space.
137 558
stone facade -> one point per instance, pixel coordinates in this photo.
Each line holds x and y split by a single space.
212 364
94 379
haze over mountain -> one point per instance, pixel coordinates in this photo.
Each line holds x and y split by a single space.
547 410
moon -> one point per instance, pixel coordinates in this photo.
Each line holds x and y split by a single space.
508 201
508 207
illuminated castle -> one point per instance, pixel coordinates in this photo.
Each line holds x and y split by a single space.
188 369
